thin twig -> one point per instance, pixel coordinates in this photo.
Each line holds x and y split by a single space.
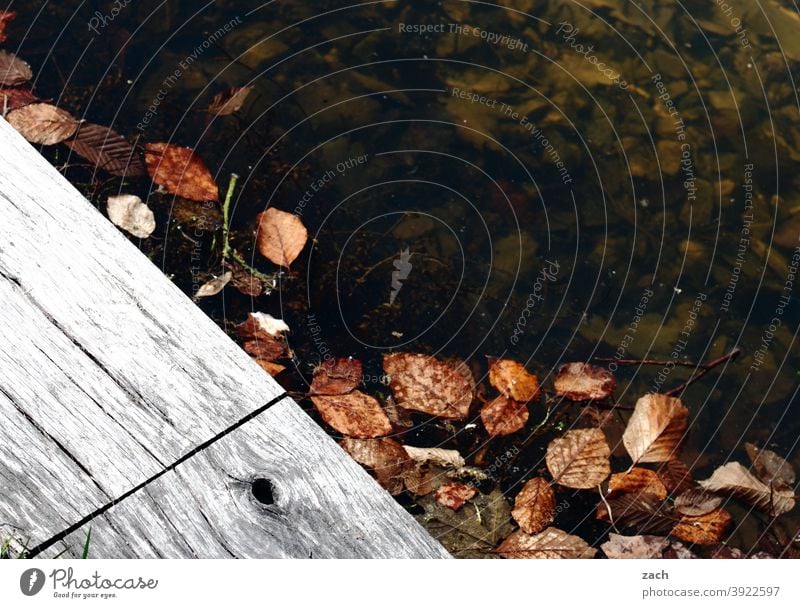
648 362
707 368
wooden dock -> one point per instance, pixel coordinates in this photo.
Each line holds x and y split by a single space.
126 410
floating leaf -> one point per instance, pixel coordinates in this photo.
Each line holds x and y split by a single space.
15 98
503 416
442 457
579 459
129 213
535 506
696 501
43 123
513 380
385 457
107 149
355 414
735 480
771 468
13 70
422 383
636 482
336 376
229 102
181 171
259 323
634 547
5 17
281 236
582 382
708 529
213 287
549 544
265 349
453 495
655 429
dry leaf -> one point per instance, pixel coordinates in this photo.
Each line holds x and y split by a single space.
735 480
513 380
336 376
129 213
770 467
230 101
696 501
535 506
385 457
579 459
453 495
355 414
181 171
708 529
43 123
550 544
15 98
634 547
439 456
655 429
503 416
422 383
107 149
676 476
582 382
272 368
13 70
281 236
213 287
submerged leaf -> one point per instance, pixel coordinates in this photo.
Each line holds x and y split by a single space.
579 459
503 416
770 467
453 495
181 171
129 213
535 506
336 376
655 429
549 544
281 236
229 102
355 414
582 382
634 547
107 149
43 123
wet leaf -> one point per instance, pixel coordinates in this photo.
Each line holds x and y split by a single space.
535 506
385 457
15 98
634 547
636 482
263 336
129 213
107 150
229 102
513 380
696 501
281 236
552 543
676 476
355 414
265 348
582 382
655 429
43 123
244 281
422 383
5 17
503 416
214 286
579 459
735 480
708 529
13 70
453 495
642 512
439 456
771 468
272 368
181 171
336 376
259 323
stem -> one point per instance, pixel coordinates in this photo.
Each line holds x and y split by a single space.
226 246
648 362
705 369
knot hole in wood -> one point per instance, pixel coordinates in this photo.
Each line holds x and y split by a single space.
263 491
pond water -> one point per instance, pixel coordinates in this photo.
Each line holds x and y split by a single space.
568 180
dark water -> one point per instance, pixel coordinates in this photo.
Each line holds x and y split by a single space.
558 202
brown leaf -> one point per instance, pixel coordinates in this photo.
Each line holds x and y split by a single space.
213 287
266 348
708 529
696 501
244 281
385 457
453 495
16 97
422 383
735 480
43 123
281 236
418 479
535 506
107 149
634 547
272 368
655 429
581 382
676 476
579 459
513 380
181 171
643 512
503 416
5 17
336 376
261 325
636 482
229 102
771 468
129 213
13 70
355 414
552 543
444 458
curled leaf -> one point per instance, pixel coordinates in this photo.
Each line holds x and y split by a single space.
582 382
213 287
439 456
503 416
355 414
535 506
181 171
579 459
513 380
281 236
655 429
735 480
43 123
129 213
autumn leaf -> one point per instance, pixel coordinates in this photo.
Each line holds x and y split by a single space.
442 457
503 416
708 529
13 70
676 476
697 501
385 457
129 213
261 325
552 543
579 459
735 480
243 280
453 495
181 171
643 512
513 380
582 382
535 506
636 482
355 414
213 287
107 150
15 98
634 547
229 102
263 339
5 17
43 123
422 383
655 429
281 236
771 468
265 349
336 376
272 368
